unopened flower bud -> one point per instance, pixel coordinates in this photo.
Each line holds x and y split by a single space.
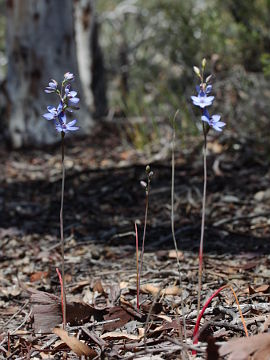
208 78
147 169
197 71
143 184
203 62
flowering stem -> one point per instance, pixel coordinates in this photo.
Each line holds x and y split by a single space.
62 228
203 218
172 226
137 267
144 228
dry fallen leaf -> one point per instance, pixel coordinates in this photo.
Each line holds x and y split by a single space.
154 290
260 289
39 275
173 255
47 311
75 344
242 348
123 335
98 287
119 313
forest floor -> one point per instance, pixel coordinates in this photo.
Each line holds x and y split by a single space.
103 199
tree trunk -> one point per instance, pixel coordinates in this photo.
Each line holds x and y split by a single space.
89 55
40 46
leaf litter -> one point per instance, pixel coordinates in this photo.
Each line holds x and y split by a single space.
103 320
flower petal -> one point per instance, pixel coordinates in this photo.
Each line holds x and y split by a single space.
195 98
216 118
221 124
204 118
52 110
71 123
68 76
74 101
72 128
216 127
210 98
208 89
58 127
67 89
62 118
52 85
48 116
73 93
60 107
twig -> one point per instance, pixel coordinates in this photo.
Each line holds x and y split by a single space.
93 324
17 313
226 325
185 346
18 327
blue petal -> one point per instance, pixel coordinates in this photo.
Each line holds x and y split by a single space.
208 89
49 91
62 117
72 128
71 123
204 118
216 118
195 98
74 101
52 109
67 89
73 93
48 116
210 98
60 107
52 85
216 128
58 128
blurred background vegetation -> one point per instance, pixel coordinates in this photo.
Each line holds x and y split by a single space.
150 47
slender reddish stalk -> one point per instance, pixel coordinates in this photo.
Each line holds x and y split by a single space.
203 220
62 290
62 228
239 309
195 332
145 222
172 227
137 264
196 329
